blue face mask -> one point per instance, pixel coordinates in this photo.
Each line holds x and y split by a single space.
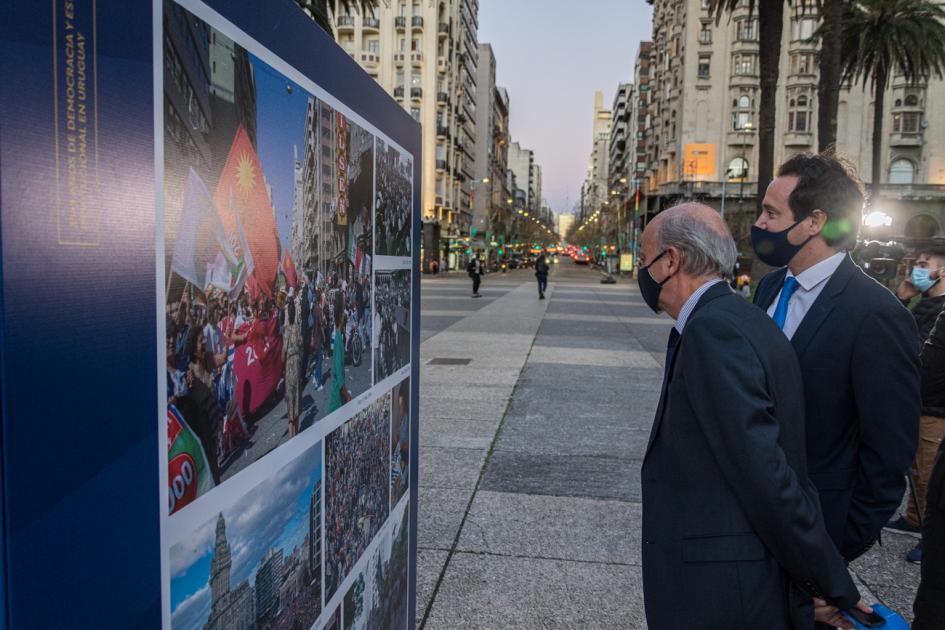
921 279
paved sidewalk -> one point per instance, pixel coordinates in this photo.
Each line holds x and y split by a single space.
530 455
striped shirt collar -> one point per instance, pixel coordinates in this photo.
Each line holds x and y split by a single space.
690 304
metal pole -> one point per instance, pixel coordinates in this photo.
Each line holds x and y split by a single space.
724 182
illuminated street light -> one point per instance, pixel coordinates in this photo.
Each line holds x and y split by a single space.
877 219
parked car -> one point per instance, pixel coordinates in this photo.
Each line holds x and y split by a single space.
580 258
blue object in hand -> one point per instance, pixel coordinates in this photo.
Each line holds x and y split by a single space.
890 620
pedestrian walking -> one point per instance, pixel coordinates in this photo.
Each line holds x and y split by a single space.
474 269
541 272
851 335
339 394
732 529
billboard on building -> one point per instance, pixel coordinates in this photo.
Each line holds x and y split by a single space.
224 205
699 161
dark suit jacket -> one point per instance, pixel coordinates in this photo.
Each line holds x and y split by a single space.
859 353
733 536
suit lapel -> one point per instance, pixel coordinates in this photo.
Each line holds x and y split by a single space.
772 288
719 290
822 306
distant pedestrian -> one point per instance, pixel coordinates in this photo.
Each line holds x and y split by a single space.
541 272
474 268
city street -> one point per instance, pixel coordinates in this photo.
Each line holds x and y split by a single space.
530 455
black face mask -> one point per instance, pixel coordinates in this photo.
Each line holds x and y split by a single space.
650 288
774 248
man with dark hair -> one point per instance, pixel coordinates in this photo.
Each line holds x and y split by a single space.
857 345
924 282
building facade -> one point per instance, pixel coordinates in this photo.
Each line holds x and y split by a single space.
702 140
267 585
425 54
230 609
595 190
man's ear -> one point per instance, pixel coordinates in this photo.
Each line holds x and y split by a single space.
818 220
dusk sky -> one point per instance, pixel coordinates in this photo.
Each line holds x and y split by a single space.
551 55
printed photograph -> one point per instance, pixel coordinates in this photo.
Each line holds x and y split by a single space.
357 490
391 322
378 597
394 201
258 563
399 441
268 203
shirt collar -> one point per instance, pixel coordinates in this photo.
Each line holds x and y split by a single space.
810 278
690 304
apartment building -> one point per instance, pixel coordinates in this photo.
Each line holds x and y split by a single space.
595 190
702 138
425 54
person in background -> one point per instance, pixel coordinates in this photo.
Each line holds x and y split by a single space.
923 289
857 346
292 353
474 268
541 272
338 392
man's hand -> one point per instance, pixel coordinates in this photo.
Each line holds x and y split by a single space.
831 615
906 290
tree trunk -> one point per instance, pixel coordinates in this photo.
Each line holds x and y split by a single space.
878 106
318 9
771 21
828 87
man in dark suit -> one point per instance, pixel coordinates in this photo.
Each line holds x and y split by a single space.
733 536
857 346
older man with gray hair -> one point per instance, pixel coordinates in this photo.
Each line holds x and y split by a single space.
733 535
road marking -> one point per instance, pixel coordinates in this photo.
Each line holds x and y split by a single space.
615 319
435 313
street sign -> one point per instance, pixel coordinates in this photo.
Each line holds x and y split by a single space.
199 180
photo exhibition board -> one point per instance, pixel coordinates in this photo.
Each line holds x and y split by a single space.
210 254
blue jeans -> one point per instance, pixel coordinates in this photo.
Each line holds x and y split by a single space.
318 367
542 284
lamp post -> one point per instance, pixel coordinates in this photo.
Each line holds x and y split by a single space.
746 129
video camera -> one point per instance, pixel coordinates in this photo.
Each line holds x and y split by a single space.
879 259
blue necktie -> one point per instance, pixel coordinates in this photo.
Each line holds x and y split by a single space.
780 313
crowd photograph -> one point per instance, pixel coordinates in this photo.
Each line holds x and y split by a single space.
391 322
394 201
378 597
268 263
399 441
357 489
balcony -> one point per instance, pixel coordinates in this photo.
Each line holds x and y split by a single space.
443 30
399 92
442 98
371 24
416 22
441 165
442 132
416 93
741 138
399 58
400 22
793 139
345 23
416 58
369 60
441 64
905 139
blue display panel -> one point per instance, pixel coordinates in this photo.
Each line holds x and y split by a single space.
209 248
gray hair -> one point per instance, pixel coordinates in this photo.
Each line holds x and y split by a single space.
705 251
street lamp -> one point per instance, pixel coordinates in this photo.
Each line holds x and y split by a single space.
746 129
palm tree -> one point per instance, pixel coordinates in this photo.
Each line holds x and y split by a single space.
770 26
880 36
318 9
831 69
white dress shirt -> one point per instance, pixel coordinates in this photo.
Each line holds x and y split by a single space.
690 304
810 283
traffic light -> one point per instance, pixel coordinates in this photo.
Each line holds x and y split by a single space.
501 252
585 248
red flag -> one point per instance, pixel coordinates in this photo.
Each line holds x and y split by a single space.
241 192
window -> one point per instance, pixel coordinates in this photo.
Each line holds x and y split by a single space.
743 64
901 171
803 28
799 114
745 30
403 44
802 63
705 62
705 33
415 45
912 100
910 122
740 120
705 4
374 46
744 102
415 112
